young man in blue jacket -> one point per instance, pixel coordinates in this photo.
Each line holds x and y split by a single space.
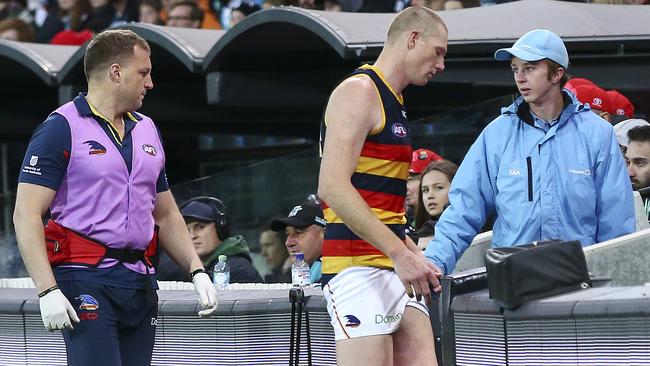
548 167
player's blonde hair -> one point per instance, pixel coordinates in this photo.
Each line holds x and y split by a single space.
415 18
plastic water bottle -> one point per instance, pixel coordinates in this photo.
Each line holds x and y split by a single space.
300 271
221 273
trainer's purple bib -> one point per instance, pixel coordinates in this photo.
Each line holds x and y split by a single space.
98 197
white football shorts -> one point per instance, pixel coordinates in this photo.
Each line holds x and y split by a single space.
366 301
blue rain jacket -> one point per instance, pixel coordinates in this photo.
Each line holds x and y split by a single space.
569 183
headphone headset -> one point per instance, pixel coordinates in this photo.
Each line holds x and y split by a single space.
222 221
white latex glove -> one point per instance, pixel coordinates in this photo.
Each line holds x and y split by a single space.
207 293
57 312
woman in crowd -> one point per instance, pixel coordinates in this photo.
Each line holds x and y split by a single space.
433 198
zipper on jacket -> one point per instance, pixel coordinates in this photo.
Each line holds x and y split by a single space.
530 178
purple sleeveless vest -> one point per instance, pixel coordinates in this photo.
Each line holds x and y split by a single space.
98 197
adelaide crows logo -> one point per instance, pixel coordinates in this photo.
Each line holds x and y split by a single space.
95 148
352 321
87 302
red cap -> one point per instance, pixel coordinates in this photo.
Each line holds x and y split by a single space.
575 82
421 158
619 104
596 97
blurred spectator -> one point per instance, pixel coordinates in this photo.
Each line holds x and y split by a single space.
46 21
211 10
637 158
310 4
100 16
381 6
150 12
244 9
72 38
185 14
453 5
305 228
419 160
277 257
15 9
327 5
267 4
332 5
435 5
620 106
623 127
597 99
433 199
471 3
210 17
73 13
16 30
124 11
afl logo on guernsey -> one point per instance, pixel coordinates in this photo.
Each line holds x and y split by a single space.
149 149
398 129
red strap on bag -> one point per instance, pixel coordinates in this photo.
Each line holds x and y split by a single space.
67 247
151 253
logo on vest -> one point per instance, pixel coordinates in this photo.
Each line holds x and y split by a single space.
87 302
149 149
95 148
399 130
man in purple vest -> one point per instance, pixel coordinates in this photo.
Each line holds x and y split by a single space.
99 168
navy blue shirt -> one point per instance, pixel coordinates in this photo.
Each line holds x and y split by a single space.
45 164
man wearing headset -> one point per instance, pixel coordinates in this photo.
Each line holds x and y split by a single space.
208 222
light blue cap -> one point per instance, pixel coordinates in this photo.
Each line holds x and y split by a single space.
536 45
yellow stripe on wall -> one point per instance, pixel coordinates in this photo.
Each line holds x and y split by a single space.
338 264
387 217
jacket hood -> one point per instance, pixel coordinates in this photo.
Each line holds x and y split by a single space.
233 246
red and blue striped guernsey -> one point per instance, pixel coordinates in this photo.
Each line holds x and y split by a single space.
380 179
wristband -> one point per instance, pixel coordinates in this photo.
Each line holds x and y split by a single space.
197 271
55 287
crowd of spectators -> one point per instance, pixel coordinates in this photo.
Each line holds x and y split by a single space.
73 22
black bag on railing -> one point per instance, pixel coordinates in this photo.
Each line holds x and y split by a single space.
522 273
